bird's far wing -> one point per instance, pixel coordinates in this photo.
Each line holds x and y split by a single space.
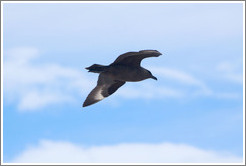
135 58
105 87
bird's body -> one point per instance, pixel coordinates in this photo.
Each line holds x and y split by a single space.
126 73
126 68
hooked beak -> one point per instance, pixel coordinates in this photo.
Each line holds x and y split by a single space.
153 77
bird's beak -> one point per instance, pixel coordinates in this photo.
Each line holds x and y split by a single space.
153 77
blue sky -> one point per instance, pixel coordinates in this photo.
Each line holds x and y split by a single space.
193 113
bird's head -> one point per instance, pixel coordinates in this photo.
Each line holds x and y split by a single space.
149 75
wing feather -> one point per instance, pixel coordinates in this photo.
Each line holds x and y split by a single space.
135 58
105 87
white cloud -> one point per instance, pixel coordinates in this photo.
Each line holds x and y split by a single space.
181 77
192 86
35 99
228 95
149 91
65 152
231 71
35 86
177 75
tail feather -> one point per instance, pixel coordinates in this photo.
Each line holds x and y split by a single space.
96 68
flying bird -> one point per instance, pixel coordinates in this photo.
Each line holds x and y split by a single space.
126 68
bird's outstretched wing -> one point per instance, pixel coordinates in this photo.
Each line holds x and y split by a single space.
135 58
105 87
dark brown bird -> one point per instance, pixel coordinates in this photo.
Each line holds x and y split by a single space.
126 68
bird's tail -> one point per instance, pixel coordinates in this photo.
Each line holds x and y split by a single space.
97 68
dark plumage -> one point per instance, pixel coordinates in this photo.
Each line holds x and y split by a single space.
125 68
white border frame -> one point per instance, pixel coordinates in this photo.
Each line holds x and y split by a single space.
6 2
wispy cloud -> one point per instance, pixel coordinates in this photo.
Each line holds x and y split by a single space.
66 152
189 85
177 75
186 79
149 91
231 71
36 99
36 85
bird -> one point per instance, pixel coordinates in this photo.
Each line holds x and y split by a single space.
126 68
